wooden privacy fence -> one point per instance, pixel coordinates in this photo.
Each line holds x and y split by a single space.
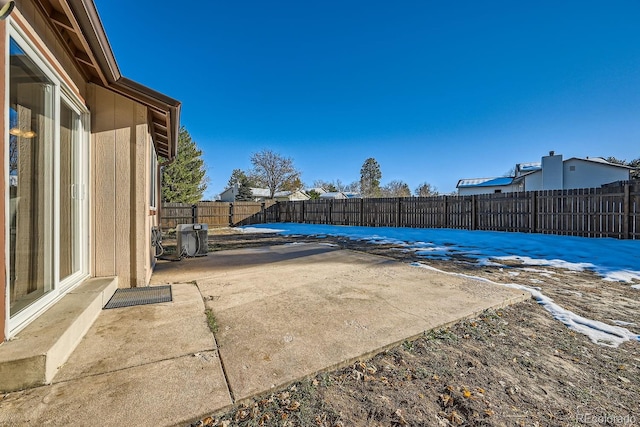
602 212
215 214
612 211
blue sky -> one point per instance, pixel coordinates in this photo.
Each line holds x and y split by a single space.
435 91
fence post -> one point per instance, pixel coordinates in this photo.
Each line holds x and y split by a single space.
626 211
279 213
534 212
330 219
263 212
474 212
302 212
230 214
361 212
398 212
445 217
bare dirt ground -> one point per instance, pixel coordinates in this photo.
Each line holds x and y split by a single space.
513 367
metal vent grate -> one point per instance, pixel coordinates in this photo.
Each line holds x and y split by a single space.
140 296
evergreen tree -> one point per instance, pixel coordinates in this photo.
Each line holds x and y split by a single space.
236 177
184 180
313 195
244 190
370 176
635 174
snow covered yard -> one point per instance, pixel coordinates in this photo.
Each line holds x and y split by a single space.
604 313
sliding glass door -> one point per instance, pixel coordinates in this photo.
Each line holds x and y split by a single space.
31 140
71 192
46 148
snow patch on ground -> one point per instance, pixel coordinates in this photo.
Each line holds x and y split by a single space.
622 276
598 332
250 230
558 263
623 323
615 260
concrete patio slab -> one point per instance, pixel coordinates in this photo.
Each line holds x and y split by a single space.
132 336
151 364
170 392
284 312
290 311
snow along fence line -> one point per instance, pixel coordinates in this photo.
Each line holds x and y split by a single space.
593 212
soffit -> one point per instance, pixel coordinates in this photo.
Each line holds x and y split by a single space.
79 27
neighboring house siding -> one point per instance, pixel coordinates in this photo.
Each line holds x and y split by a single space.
229 195
533 181
588 174
470 191
578 173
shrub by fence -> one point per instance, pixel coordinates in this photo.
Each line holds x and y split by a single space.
611 211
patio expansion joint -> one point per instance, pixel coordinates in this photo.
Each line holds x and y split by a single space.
224 372
217 349
153 362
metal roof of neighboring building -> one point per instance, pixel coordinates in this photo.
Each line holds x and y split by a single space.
599 160
485 182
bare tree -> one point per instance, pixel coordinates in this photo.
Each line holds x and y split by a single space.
335 185
274 171
396 188
426 190
325 185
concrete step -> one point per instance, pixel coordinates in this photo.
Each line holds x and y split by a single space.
32 358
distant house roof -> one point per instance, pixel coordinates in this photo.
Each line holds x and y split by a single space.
485 182
601 161
333 195
260 192
318 190
528 167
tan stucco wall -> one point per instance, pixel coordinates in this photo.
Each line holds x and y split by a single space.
119 181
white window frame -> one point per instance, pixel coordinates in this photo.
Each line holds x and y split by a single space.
61 93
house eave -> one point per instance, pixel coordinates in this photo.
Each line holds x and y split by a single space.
165 111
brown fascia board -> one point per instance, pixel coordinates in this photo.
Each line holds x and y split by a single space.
93 32
157 101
